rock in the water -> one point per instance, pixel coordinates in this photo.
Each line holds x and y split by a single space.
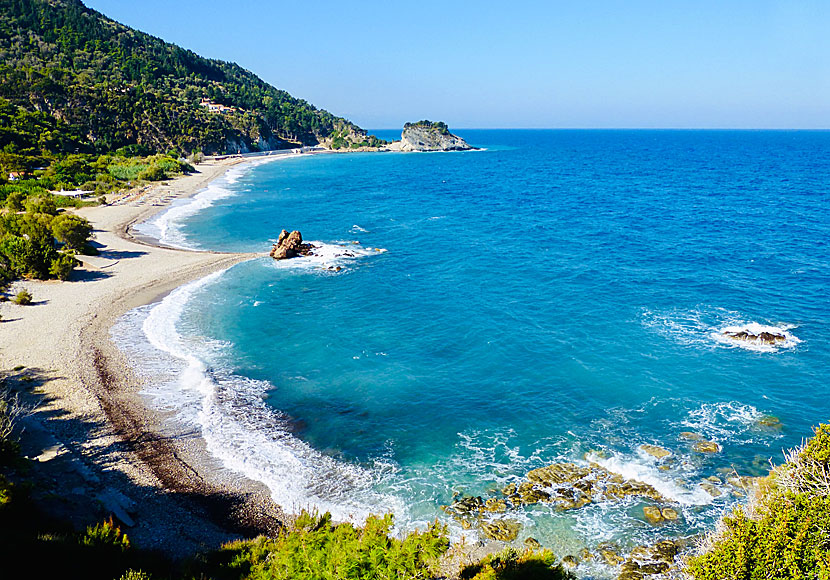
429 136
501 530
763 337
532 543
669 514
689 436
653 514
570 562
706 447
290 245
655 451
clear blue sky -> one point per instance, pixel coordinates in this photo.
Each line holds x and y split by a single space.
586 63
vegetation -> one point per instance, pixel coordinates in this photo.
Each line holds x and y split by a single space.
316 548
786 533
510 564
23 298
438 126
77 82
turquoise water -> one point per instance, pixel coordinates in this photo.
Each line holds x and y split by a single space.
557 294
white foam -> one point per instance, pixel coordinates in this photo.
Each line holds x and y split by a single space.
248 436
727 421
756 329
705 327
641 469
326 256
167 226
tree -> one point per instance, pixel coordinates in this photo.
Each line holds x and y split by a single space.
73 231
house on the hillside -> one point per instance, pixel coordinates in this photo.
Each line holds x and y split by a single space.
216 107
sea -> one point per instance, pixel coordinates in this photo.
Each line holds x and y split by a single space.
555 296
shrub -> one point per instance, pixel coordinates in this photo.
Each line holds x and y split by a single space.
23 298
786 536
316 548
62 266
105 534
510 564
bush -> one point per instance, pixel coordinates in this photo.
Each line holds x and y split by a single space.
105 534
62 266
23 298
510 564
786 538
315 548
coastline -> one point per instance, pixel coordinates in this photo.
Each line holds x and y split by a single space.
91 426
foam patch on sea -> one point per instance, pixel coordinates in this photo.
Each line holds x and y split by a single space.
706 326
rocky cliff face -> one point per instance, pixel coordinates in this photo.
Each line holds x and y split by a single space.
427 136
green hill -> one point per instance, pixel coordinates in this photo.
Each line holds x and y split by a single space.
72 80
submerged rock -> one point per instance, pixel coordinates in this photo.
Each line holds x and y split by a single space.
706 447
655 451
290 245
652 514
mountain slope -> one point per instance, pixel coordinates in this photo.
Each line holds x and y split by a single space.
108 86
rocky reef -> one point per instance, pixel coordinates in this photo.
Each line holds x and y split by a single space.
290 245
429 136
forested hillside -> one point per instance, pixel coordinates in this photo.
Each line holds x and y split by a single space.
72 80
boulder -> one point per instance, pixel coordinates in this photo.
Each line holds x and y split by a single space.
653 514
655 451
501 530
290 245
706 447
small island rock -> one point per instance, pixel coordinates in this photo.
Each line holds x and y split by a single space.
429 136
290 245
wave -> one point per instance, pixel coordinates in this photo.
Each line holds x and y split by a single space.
327 256
706 327
166 227
238 427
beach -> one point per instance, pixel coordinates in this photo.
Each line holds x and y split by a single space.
90 433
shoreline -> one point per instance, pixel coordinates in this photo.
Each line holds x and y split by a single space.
91 425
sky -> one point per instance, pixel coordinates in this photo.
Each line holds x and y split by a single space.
521 63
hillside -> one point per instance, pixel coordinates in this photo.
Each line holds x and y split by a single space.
72 80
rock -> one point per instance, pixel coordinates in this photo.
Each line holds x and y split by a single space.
290 245
690 436
669 514
665 550
570 562
495 505
611 558
706 447
655 451
654 568
501 530
585 555
532 543
710 488
429 136
770 422
763 337
653 514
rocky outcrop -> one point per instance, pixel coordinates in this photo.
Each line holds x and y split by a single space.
429 136
762 337
290 245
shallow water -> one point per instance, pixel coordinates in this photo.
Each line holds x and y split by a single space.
558 294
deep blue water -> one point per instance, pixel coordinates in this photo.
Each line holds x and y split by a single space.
557 293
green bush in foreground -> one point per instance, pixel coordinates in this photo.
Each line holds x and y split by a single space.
788 535
510 564
316 548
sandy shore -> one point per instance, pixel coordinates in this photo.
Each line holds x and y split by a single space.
94 442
